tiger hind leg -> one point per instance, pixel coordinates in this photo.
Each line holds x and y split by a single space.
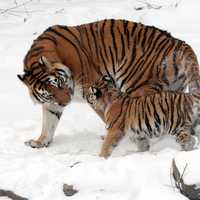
187 141
51 116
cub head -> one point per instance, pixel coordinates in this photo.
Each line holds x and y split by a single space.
49 82
99 89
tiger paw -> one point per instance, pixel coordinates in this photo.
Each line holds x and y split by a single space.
37 144
191 144
104 154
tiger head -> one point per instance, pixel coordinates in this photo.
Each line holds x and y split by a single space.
49 82
101 93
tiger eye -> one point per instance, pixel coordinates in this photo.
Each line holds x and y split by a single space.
98 93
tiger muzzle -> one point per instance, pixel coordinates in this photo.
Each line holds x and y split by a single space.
62 96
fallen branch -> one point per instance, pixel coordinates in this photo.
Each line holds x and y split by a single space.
190 191
11 195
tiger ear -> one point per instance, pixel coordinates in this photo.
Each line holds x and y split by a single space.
45 62
21 77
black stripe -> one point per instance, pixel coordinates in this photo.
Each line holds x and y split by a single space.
171 111
95 41
69 31
65 38
102 31
149 128
56 113
36 97
32 65
119 114
140 113
112 59
125 25
144 38
133 29
50 38
174 61
126 32
140 34
114 41
123 47
37 49
88 41
104 63
122 65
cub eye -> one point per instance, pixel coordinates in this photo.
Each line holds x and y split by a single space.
96 92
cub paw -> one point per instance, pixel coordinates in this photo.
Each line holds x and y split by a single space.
37 144
191 144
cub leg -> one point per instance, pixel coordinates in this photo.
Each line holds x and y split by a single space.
186 140
142 144
111 140
50 118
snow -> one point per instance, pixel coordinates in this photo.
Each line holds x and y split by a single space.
39 174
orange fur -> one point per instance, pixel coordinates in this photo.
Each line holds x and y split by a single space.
140 59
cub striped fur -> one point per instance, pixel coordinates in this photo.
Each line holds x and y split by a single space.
146 117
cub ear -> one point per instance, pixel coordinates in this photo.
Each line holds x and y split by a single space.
97 92
108 79
45 62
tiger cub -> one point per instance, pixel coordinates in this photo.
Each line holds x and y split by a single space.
146 117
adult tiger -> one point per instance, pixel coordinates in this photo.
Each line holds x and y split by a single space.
140 59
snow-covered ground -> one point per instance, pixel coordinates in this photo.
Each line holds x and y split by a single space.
39 174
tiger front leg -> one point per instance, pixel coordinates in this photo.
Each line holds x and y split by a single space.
50 117
110 142
187 141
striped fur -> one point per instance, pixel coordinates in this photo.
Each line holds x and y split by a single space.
134 55
146 117
49 82
140 59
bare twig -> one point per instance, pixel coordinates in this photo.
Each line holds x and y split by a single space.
190 191
13 10
11 195
14 7
15 1
148 5
76 163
